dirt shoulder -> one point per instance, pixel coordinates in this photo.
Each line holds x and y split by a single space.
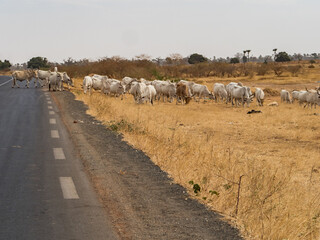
142 201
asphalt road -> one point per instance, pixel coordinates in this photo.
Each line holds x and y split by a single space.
44 191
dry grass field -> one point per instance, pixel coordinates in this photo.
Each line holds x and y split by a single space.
209 147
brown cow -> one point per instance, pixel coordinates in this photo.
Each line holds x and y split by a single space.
183 93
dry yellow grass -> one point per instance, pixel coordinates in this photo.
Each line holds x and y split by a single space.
213 145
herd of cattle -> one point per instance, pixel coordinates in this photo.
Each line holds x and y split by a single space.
149 91
183 91
53 79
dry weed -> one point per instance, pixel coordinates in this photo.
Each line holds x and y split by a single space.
275 154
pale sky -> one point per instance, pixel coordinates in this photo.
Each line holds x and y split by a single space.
58 29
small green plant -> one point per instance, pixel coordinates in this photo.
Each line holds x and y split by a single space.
122 124
227 186
212 192
196 187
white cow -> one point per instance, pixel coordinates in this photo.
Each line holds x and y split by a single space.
240 94
302 97
220 92
167 90
22 76
285 96
313 98
126 82
134 90
229 88
140 89
295 95
201 91
87 84
117 89
66 79
148 94
107 84
259 94
55 81
157 85
43 76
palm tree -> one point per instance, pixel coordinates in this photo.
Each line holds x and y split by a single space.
248 51
244 56
275 53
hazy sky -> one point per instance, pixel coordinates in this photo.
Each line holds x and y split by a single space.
58 29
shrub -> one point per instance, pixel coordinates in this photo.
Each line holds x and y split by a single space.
263 69
196 58
234 60
278 69
282 57
294 70
38 62
5 65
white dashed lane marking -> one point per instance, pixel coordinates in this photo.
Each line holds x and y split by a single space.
58 154
49 102
68 188
55 134
52 121
49 107
51 112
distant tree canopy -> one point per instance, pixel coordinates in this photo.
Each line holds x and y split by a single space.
234 60
38 62
282 57
196 58
5 65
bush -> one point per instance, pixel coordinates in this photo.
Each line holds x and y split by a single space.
294 70
282 57
278 69
263 69
196 58
38 62
234 60
5 65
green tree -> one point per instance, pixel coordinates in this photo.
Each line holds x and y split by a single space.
196 58
234 60
282 57
5 65
38 62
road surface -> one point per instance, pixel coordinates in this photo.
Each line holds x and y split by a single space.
44 191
